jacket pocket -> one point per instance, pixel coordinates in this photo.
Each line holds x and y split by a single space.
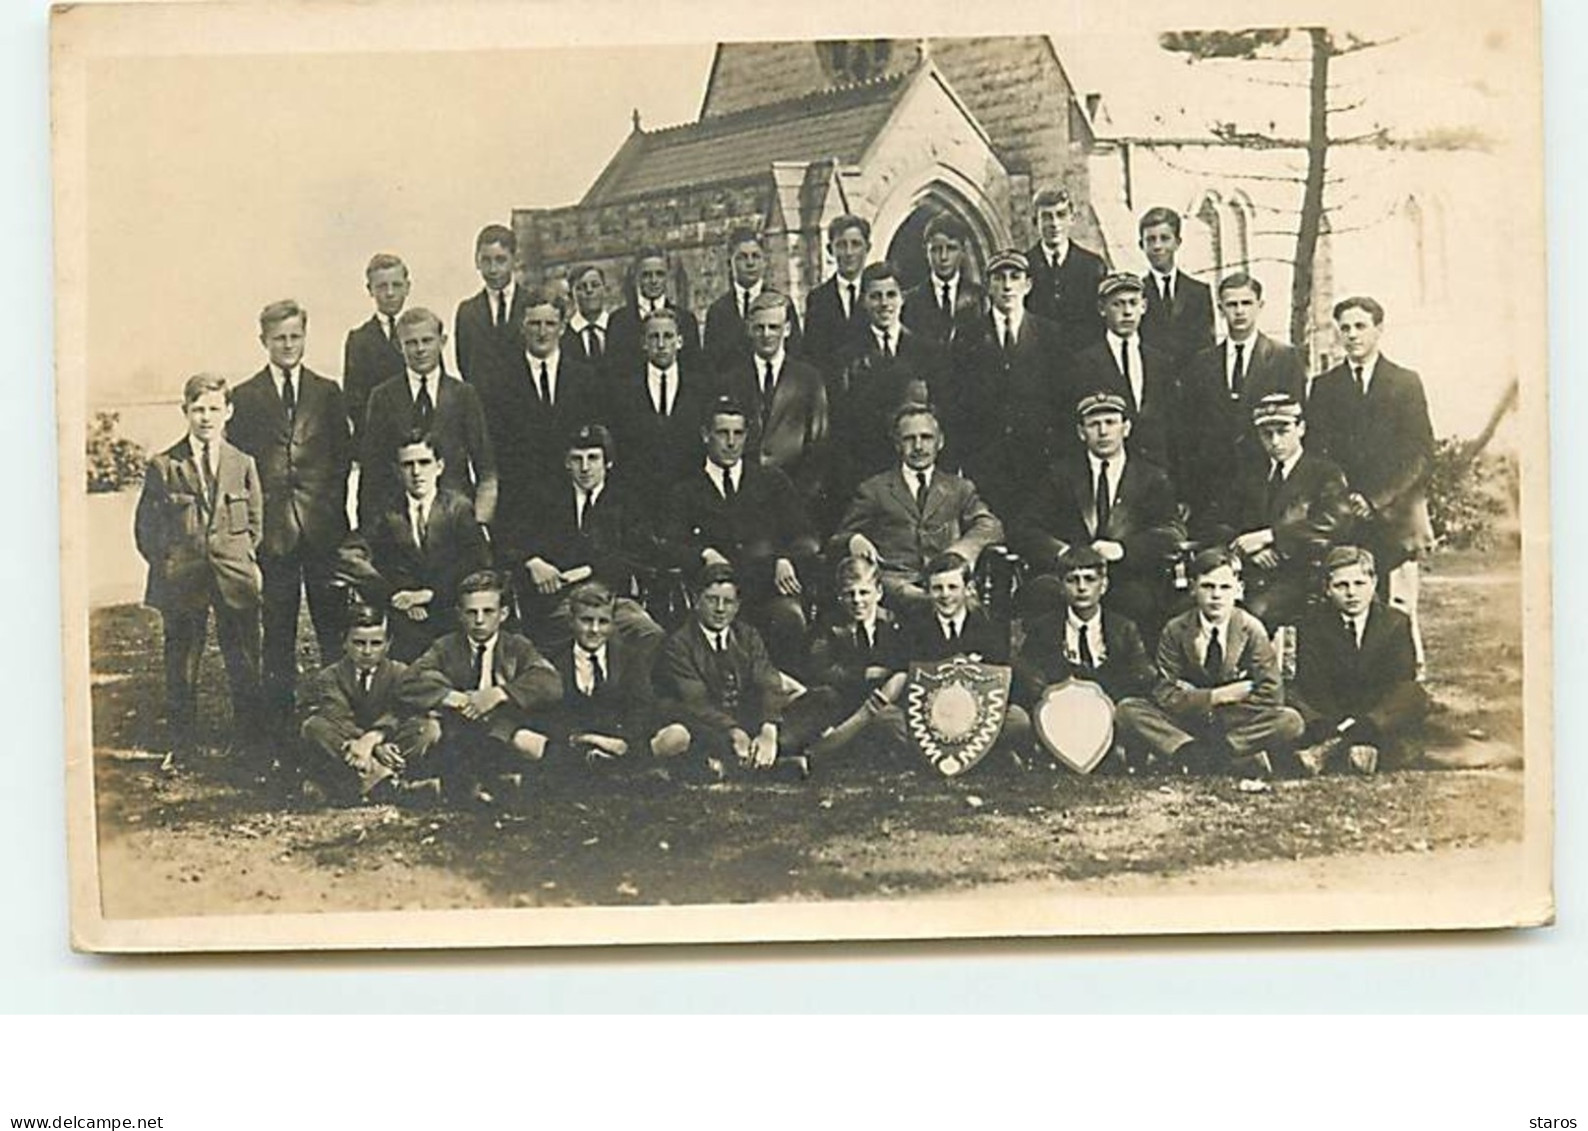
237 514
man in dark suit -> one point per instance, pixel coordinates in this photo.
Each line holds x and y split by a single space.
785 397
902 518
423 546
1009 405
535 405
947 301
647 291
726 341
1125 365
1064 275
424 398
660 402
834 312
588 336
487 325
293 422
371 354
1356 671
1221 386
750 517
1281 517
1111 500
199 522
880 369
1179 316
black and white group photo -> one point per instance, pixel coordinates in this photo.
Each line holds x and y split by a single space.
924 486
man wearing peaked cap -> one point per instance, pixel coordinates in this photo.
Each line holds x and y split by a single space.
1281 515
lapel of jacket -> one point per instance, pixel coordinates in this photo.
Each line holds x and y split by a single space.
1081 491
1124 496
187 466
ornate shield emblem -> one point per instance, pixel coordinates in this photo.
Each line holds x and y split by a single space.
954 710
1075 721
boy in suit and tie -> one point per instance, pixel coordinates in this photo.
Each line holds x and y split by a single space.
902 518
199 523
422 547
863 659
948 302
1280 516
1218 704
293 422
660 404
492 691
424 398
371 355
726 318
356 736
786 398
1125 365
647 289
1356 671
488 323
609 714
716 676
1178 318
834 312
587 337
1064 275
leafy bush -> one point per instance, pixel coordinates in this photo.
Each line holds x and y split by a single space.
1469 502
114 462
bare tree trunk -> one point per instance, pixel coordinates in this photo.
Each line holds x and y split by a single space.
1312 192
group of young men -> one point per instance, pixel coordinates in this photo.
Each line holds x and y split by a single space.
824 489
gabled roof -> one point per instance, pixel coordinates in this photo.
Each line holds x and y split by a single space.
835 124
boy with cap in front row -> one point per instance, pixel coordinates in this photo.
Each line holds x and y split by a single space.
1356 671
1218 704
490 689
354 731
864 659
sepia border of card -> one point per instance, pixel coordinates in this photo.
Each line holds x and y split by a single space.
82 33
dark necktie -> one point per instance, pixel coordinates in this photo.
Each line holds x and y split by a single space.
424 407
206 476
729 491
581 504
1009 336
1213 662
479 666
920 491
953 631
419 525
1084 647
1276 480
592 342
1104 503
1356 377
391 330
289 396
501 308
744 306
887 346
943 301
597 676
1165 291
661 395
862 640
543 383
1124 371
366 681
766 380
1238 372
853 299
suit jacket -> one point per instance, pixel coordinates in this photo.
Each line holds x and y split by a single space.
485 350
626 337
369 358
573 346
1335 680
529 679
617 538
839 659
1185 685
1155 423
1183 328
1126 670
1062 513
736 688
1310 510
827 329
981 635
1018 400
1384 442
625 703
1217 427
656 451
865 392
790 429
303 465
726 341
766 520
337 695
192 538
907 536
454 547
461 438
924 314
1068 296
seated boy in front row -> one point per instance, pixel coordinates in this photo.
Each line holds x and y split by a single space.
716 677
864 660
1218 704
491 691
354 730
1356 670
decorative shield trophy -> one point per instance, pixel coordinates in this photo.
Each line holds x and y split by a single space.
954 710
1075 721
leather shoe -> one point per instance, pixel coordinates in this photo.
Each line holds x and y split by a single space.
1315 759
1363 758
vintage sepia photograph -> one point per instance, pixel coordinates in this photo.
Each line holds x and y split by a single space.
537 480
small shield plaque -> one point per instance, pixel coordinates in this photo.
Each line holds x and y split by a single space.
955 709
1075 721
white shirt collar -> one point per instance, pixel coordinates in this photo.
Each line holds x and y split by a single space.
1369 367
578 322
1056 255
1013 318
425 501
909 473
957 621
716 472
488 661
280 375
433 377
714 636
1288 465
1133 343
1116 466
776 361
584 669
1205 628
747 294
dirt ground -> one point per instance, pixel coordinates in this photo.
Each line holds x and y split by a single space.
202 839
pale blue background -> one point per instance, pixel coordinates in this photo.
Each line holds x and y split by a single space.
1532 971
